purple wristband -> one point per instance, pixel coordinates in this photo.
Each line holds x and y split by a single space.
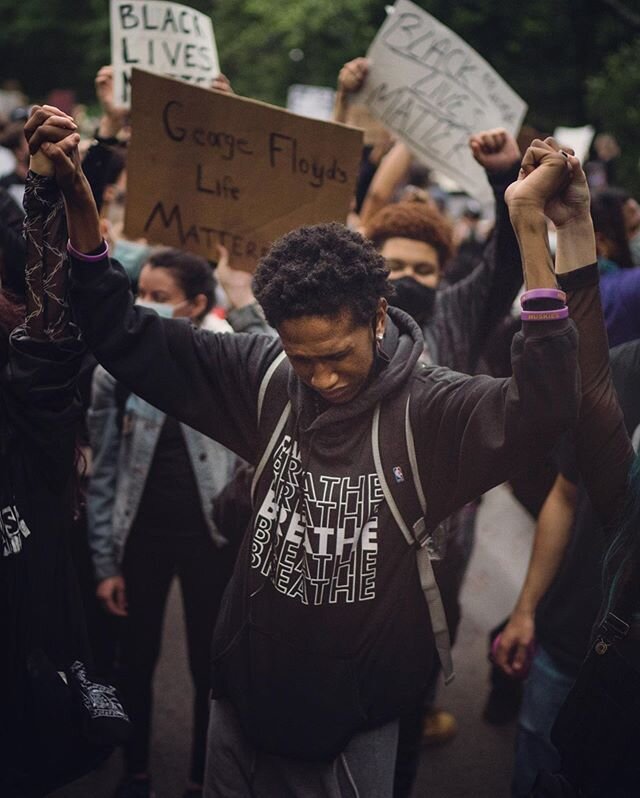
543 293
545 315
88 258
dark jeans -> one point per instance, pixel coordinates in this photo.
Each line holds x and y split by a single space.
544 693
149 567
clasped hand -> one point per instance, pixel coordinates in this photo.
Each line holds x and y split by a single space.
551 182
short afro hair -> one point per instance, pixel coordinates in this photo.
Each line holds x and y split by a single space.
413 220
321 270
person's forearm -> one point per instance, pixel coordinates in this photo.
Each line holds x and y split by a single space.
576 245
530 227
393 168
485 296
46 315
341 106
82 218
552 535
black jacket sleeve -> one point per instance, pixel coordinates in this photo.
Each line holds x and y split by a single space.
207 380
603 448
473 433
469 310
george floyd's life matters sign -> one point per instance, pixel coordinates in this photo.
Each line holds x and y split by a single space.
165 38
207 168
431 88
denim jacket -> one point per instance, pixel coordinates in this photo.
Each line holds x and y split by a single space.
121 462
122 459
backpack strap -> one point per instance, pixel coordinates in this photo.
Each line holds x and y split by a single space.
262 392
266 380
415 533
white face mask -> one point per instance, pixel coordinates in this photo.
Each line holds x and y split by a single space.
164 309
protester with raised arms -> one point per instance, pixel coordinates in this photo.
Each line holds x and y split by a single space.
57 722
314 656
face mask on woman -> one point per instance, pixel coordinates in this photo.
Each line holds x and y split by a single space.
165 309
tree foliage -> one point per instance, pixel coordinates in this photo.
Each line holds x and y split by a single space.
613 98
549 51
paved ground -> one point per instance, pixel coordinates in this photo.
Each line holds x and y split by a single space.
476 764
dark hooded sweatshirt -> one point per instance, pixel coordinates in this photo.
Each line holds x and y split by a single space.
324 618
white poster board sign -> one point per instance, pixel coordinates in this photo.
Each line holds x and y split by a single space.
432 89
161 37
577 138
314 102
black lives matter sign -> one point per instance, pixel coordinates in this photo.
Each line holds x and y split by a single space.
165 38
434 91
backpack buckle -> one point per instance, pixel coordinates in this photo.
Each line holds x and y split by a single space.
613 628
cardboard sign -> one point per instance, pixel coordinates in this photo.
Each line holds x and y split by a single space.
207 168
577 138
161 37
432 89
315 102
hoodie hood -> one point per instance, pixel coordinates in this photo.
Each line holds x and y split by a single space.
394 363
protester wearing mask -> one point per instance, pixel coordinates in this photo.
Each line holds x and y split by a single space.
150 506
416 241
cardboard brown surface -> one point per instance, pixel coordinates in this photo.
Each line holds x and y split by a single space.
206 168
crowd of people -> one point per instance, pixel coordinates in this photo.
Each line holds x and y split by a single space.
305 449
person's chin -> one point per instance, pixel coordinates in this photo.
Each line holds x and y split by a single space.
338 396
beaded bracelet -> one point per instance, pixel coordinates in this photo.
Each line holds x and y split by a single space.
543 293
88 258
545 315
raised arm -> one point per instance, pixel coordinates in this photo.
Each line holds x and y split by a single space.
499 427
39 381
209 381
393 169
350 79
603 449
471 309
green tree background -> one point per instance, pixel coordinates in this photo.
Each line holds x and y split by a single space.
573 61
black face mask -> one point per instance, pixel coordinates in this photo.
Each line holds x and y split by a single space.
414 298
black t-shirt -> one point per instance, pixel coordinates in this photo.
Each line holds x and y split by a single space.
569 609
170 504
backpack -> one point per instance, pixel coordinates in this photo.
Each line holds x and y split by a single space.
294 699
405 497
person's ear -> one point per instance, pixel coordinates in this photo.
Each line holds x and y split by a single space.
198 306
381 317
